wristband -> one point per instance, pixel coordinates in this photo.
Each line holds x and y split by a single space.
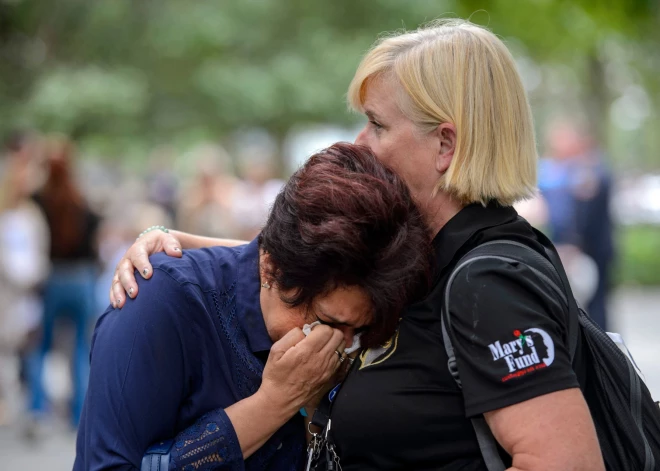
154 228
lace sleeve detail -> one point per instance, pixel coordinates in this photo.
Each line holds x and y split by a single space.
210 443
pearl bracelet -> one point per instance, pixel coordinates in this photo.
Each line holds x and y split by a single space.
154 228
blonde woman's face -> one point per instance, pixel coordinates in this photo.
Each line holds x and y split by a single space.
397 142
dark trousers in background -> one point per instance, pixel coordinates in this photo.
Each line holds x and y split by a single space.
69 292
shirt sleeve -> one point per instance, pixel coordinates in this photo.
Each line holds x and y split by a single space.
209 444
509 333
142 361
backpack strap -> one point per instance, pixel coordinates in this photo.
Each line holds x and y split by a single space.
578 317
508 251
557 268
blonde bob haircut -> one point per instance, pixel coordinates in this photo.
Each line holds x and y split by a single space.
452 71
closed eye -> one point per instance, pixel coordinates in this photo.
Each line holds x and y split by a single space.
376 124
331 323
372 120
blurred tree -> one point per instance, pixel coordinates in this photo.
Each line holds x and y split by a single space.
115 72
580 34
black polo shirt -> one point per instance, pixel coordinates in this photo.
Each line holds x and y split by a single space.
399 408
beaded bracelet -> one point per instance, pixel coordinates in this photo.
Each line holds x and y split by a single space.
154 228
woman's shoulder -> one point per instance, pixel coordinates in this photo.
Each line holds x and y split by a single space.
212 268
518 230
496 275
501 283
172 299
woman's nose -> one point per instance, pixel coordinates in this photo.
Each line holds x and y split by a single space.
349 334
361 138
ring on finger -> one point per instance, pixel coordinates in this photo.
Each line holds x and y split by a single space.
340 356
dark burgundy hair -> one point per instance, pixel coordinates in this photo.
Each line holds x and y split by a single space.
344 219
64 205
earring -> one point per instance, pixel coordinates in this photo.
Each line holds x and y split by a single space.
265 285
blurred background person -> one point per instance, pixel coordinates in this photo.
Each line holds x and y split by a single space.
23 265
580 269
254 194
207 198
69 290
162 182
117 233
577 187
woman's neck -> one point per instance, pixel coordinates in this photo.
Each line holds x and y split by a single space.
438 210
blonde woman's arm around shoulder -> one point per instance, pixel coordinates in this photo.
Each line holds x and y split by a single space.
137 258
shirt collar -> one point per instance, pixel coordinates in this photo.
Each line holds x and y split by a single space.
248 304
460 229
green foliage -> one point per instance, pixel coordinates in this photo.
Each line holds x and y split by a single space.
155 71
638 260
68 100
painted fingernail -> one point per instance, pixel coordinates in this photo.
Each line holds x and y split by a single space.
118 301
130 291
145 272
176 249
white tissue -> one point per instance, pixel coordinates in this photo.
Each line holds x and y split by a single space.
355 346
307 328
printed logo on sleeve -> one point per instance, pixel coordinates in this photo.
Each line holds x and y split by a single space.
529 351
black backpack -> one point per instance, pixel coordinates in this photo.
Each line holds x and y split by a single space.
627 419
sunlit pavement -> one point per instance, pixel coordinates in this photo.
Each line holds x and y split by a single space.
636 315
53 452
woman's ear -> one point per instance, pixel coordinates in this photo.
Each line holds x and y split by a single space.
265 269
446 134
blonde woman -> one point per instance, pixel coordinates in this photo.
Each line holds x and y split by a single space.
448 112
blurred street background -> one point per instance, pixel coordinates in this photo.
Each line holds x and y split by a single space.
119 115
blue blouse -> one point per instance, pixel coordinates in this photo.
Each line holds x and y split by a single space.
165 366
